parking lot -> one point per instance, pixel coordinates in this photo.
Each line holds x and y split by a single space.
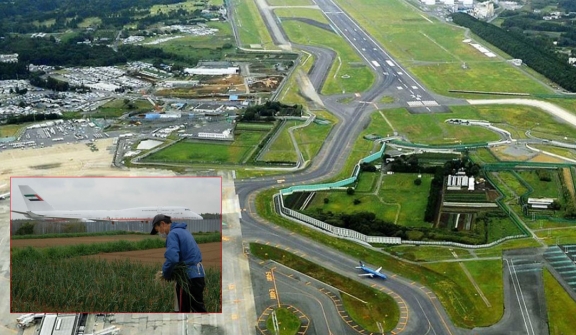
58 131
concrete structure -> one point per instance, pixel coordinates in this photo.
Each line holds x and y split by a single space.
208 109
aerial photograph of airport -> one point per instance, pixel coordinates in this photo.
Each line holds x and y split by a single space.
322 167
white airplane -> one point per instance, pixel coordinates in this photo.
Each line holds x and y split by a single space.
39 209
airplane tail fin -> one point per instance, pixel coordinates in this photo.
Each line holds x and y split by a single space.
361 265
33 201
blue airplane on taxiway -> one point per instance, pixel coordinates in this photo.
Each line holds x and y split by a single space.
371 272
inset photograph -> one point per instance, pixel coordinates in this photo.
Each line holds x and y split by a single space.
116 245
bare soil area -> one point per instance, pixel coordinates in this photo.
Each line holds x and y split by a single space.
211 252
53 242
211 255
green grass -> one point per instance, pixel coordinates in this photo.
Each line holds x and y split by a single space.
560 306
434 51
483 155
185 5
282 149
9 130
380 307
480 271
104 233
558 236
431 128
251 25
311 138
360 77
424 253
308 13
543 189
290 2
367 181
90 21
496 251
200 46
117 107
399 188
288 323
201 152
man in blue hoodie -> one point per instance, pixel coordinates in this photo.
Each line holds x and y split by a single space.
182 248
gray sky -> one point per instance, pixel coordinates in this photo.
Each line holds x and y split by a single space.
200 194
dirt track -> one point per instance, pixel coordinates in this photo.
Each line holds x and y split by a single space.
211 252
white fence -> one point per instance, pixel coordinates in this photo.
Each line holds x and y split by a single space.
363 239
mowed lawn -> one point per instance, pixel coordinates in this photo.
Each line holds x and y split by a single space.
203 152
561 307
400 188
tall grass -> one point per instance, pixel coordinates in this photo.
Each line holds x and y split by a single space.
39 284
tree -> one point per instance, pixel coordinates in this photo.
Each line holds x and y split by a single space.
357 201
417 181
350 191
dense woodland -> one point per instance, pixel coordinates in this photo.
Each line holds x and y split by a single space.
546 62
269 110
28 16
46 51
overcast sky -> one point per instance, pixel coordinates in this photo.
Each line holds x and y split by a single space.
201 195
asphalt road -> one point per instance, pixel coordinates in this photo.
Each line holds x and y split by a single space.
422 313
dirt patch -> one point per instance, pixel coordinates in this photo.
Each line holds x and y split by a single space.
568 181
211 255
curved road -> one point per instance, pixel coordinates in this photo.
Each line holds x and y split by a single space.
421 312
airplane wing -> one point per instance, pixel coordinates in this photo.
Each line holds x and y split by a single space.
4 196
366 275
35 216
380 268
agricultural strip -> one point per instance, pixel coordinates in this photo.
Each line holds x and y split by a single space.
435 50
380 307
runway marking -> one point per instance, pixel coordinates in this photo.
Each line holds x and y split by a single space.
512 271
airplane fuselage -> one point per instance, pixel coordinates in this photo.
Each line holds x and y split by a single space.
129 214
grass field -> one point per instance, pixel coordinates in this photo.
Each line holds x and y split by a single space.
185 5
431 128
451 293
290 2
288 323
483 155
308 13
425 253
117 107
398 200
282 149
543 189
399 188
561 307
201 152
358 76
311 138
379 307
202 47
250 25
434 51
558 236
9 130
568 153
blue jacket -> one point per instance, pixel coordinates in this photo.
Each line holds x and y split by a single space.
181 247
